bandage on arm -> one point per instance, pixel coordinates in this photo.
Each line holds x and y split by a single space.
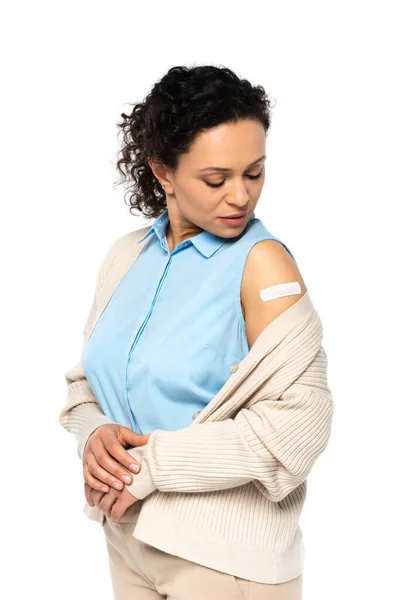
282 289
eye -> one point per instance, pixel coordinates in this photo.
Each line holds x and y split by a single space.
255 176
217 185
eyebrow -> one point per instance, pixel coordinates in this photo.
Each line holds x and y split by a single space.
222 169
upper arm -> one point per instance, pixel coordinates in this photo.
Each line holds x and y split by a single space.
268 264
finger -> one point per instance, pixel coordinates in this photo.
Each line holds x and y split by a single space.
117 510
102 465
114 444
101 473
111 458
132 438
107 502
120 454
88 494
125 500
91 480
98 497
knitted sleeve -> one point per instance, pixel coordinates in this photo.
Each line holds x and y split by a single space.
82 414
274 443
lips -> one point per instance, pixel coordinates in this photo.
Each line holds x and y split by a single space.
234 220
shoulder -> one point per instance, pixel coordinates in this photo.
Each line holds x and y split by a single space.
268 264
124 243
119 248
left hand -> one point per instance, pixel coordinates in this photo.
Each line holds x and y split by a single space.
113 503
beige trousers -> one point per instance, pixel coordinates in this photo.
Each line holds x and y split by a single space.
142 572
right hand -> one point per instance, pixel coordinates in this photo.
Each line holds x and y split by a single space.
100 470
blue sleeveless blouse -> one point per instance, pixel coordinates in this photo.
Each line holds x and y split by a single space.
173 330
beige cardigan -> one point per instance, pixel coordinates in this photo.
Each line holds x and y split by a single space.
228 490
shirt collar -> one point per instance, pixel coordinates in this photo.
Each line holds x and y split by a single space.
206 242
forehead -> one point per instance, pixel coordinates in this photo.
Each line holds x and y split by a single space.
227 145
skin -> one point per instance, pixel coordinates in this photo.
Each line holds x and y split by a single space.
193 207
104 458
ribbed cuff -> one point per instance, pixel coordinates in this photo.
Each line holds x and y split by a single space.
142 484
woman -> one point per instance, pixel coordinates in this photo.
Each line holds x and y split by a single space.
202 361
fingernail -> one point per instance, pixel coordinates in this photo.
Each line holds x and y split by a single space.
126 478
134 467
104 488
117 485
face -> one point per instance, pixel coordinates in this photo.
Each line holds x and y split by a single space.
222 174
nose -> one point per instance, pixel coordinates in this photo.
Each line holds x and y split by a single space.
240 197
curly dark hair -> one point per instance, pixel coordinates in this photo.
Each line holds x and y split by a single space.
183 103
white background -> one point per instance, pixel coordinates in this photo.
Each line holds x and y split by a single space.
331 192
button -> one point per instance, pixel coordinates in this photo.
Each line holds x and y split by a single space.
195 415
234 367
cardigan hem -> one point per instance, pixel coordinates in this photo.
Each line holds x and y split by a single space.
234 557
94 513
